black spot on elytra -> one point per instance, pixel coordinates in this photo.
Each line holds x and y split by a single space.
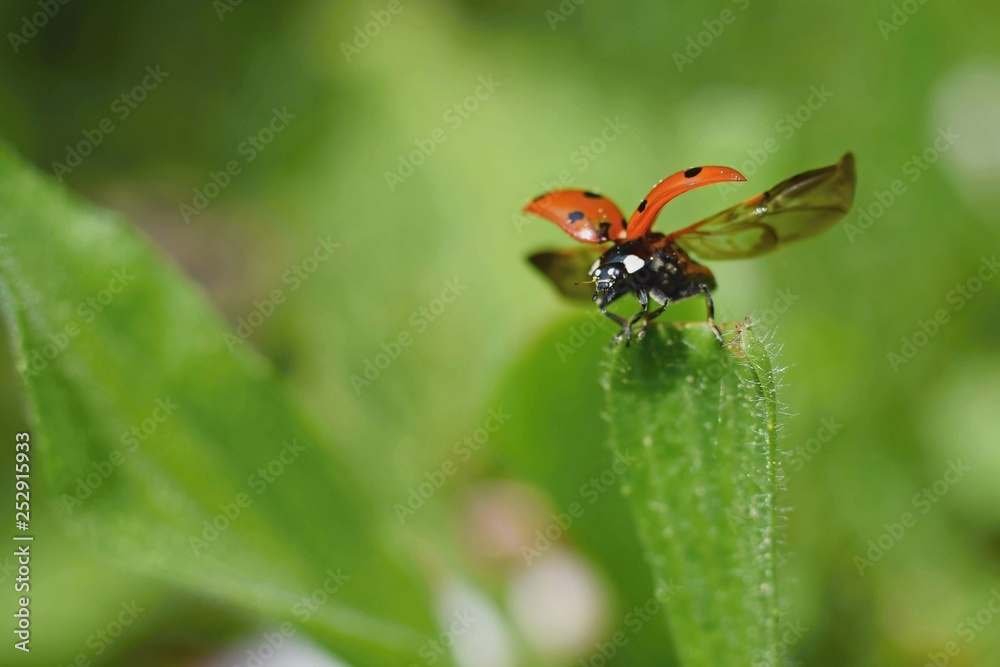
624 224
692 172
642 206
592 195
575 216
605 228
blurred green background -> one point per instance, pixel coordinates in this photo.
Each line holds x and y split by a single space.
489 104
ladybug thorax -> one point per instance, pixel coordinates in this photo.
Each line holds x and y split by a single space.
645 264
620 262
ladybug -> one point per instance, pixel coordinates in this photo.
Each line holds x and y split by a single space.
658 267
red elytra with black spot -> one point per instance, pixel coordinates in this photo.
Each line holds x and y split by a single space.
659 268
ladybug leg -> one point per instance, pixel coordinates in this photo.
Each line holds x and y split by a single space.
618 319
643 297
711 312
626 331
649 318
656 313
659 296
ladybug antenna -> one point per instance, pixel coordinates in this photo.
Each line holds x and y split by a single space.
585 282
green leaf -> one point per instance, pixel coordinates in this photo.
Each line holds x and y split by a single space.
151 429
557 440
697 421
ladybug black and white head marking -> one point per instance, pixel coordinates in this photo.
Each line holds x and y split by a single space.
620 270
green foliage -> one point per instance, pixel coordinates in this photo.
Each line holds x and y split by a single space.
697 422
557 441
168 451
868 433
